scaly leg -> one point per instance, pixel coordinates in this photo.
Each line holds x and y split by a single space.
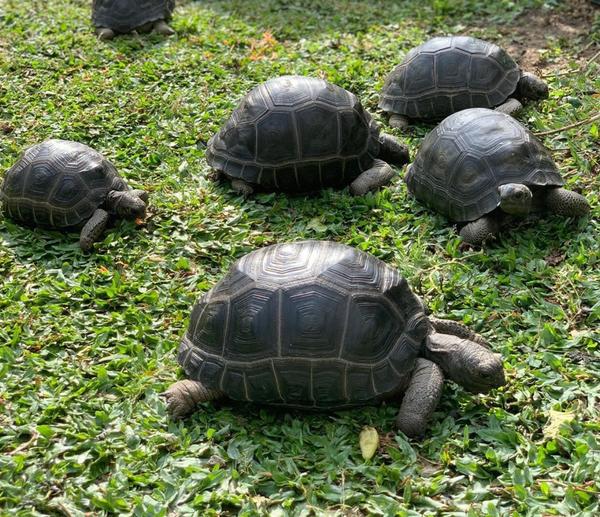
104 33
399 121
421 398
392 151
93 229
476 232
241 187
378 175
566 202
183 397
510 107
161 27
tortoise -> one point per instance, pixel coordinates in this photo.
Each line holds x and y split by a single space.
324 326
482 167
112 17
64 184
448 74
300 134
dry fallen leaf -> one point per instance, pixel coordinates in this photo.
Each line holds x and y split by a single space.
555 420
369 441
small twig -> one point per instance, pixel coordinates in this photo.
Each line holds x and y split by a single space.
34 436
570 126
577 70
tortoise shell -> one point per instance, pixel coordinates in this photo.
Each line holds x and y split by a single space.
296 133
58 184
306 324
463 161
126 15
449 74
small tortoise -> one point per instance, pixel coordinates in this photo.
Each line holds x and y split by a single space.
449 74
112 17
480 166
321 325
64 184
301 134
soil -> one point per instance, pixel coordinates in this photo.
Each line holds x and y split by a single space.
532 33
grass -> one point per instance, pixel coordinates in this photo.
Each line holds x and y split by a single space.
87 342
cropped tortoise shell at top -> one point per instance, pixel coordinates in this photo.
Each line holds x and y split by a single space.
448 74
124 16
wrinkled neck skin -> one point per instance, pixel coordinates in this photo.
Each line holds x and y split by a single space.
125 204
532 87
515 199
467 363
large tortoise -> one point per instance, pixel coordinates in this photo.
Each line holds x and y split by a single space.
300 134
112 17
63 184
321 325
449 74
481 167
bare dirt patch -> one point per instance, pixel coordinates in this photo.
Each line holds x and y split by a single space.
535 31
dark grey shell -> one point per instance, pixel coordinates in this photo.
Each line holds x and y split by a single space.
126 15
307 324
296 133
58 184
449 74
463 161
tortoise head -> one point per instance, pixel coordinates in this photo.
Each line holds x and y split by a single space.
126 204
515 198
532 87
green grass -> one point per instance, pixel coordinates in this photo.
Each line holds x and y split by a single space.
87 342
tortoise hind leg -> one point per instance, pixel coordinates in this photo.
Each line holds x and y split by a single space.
378 175
392 151
510 107
161 27
241 187
399 121
183 397
476 232
421 398
566 202
92 230
104 33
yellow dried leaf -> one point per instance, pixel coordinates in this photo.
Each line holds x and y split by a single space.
369 441
555 420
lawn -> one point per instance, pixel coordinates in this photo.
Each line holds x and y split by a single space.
88 341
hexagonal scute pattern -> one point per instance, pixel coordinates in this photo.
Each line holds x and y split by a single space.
469 154
58 183
290 132
308 324
445 75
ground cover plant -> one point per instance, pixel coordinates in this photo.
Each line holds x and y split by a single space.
87 342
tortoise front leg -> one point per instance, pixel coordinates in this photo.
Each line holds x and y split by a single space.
566 202
242 187
510 107
92 230
161 27
392 151
142 194
421 398
378 175
399 121
476 232
104 33
183 397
